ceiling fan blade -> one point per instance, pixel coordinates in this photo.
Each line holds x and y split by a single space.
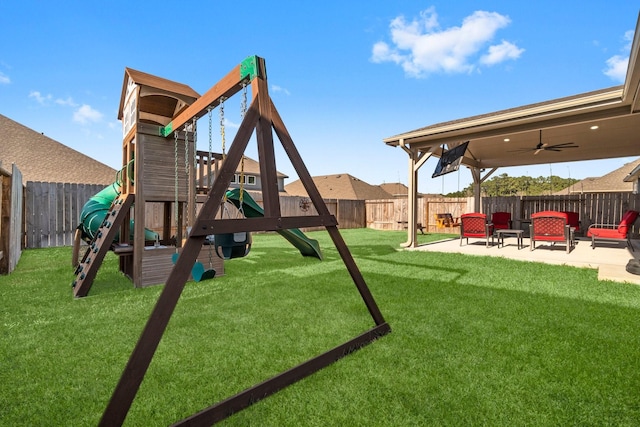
538 150
564 145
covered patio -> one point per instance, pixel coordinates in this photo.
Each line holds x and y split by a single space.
602 124
610 259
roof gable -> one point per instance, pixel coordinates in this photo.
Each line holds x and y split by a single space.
173 95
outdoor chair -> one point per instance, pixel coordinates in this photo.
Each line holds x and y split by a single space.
475 225
501 220
550 226
446 220
573 219
613 232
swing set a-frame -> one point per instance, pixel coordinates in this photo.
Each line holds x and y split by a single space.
262 116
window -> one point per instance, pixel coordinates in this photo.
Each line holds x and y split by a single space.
248 179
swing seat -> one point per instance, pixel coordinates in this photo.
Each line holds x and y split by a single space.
197 271
232 245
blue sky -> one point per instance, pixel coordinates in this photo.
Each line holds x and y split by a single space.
344 75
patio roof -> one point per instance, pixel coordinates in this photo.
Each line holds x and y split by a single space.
603 124
509 137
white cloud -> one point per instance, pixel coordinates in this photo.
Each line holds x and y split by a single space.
420 47
617 64
41 99
628 37
276 88
86 114
67 102
617 68
4 79
500 53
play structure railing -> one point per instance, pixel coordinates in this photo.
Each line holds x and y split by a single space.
207 165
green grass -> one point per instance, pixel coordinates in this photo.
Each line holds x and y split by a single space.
475 341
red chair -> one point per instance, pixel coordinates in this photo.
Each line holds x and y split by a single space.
475 225
550 226
501 220
613 232
573 218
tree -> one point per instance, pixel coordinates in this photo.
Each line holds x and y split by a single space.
505 185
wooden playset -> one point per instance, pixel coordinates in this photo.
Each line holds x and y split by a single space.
159 119
158 175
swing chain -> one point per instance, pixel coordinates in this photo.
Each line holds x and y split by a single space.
209 110
243 112
175 155
195 144
222 134
243 104
186 150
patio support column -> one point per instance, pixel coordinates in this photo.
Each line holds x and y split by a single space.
416 160
477 181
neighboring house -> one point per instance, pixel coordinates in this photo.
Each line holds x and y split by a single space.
396 189
252 176
609 183
400 191
340 186
41 158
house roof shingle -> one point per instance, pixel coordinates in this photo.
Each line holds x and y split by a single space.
611 182
340 186
41 158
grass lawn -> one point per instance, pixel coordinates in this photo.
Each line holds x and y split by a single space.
474 341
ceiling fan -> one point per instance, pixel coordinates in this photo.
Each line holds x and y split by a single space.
549 147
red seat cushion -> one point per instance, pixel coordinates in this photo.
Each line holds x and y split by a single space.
606 233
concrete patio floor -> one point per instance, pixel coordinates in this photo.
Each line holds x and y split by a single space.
609 258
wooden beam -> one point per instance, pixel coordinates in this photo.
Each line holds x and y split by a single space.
221 226
228 86
266 153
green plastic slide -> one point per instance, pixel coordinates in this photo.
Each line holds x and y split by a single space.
95 210
306 246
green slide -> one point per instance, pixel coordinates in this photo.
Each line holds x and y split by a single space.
95 210
306 246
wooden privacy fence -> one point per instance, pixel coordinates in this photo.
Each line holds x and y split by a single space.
11 210
349 213
592 208
391 214
52 212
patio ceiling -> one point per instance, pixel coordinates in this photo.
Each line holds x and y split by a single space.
509 137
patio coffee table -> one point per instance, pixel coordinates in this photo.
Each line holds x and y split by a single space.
517 233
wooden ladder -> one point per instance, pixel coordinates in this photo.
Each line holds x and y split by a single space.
88 267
